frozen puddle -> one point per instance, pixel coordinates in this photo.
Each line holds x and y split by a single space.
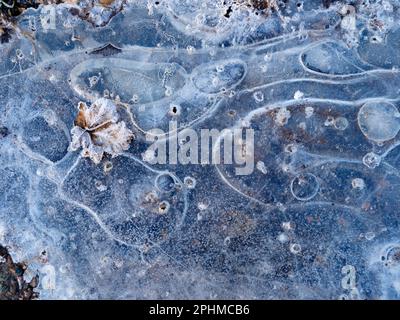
315 218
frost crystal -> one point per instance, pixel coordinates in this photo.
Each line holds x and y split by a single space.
98 131
303 95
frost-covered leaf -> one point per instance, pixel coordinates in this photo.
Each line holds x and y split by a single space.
102 111
98 131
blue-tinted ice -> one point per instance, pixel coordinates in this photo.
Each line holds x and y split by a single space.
318 217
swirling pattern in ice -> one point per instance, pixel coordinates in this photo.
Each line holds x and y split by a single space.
318 217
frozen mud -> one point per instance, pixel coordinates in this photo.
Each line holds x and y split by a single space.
317 81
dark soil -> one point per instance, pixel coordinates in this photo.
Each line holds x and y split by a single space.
12 283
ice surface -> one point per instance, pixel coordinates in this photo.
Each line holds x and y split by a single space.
318 217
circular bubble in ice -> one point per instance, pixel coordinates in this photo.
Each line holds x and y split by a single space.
371 160
189 182
295 248
379 121
391 257
304 187
165 183
341 123
163 207
258 96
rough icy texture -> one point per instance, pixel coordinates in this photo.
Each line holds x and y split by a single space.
98 131
318 218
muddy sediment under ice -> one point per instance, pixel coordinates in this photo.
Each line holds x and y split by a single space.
317 81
